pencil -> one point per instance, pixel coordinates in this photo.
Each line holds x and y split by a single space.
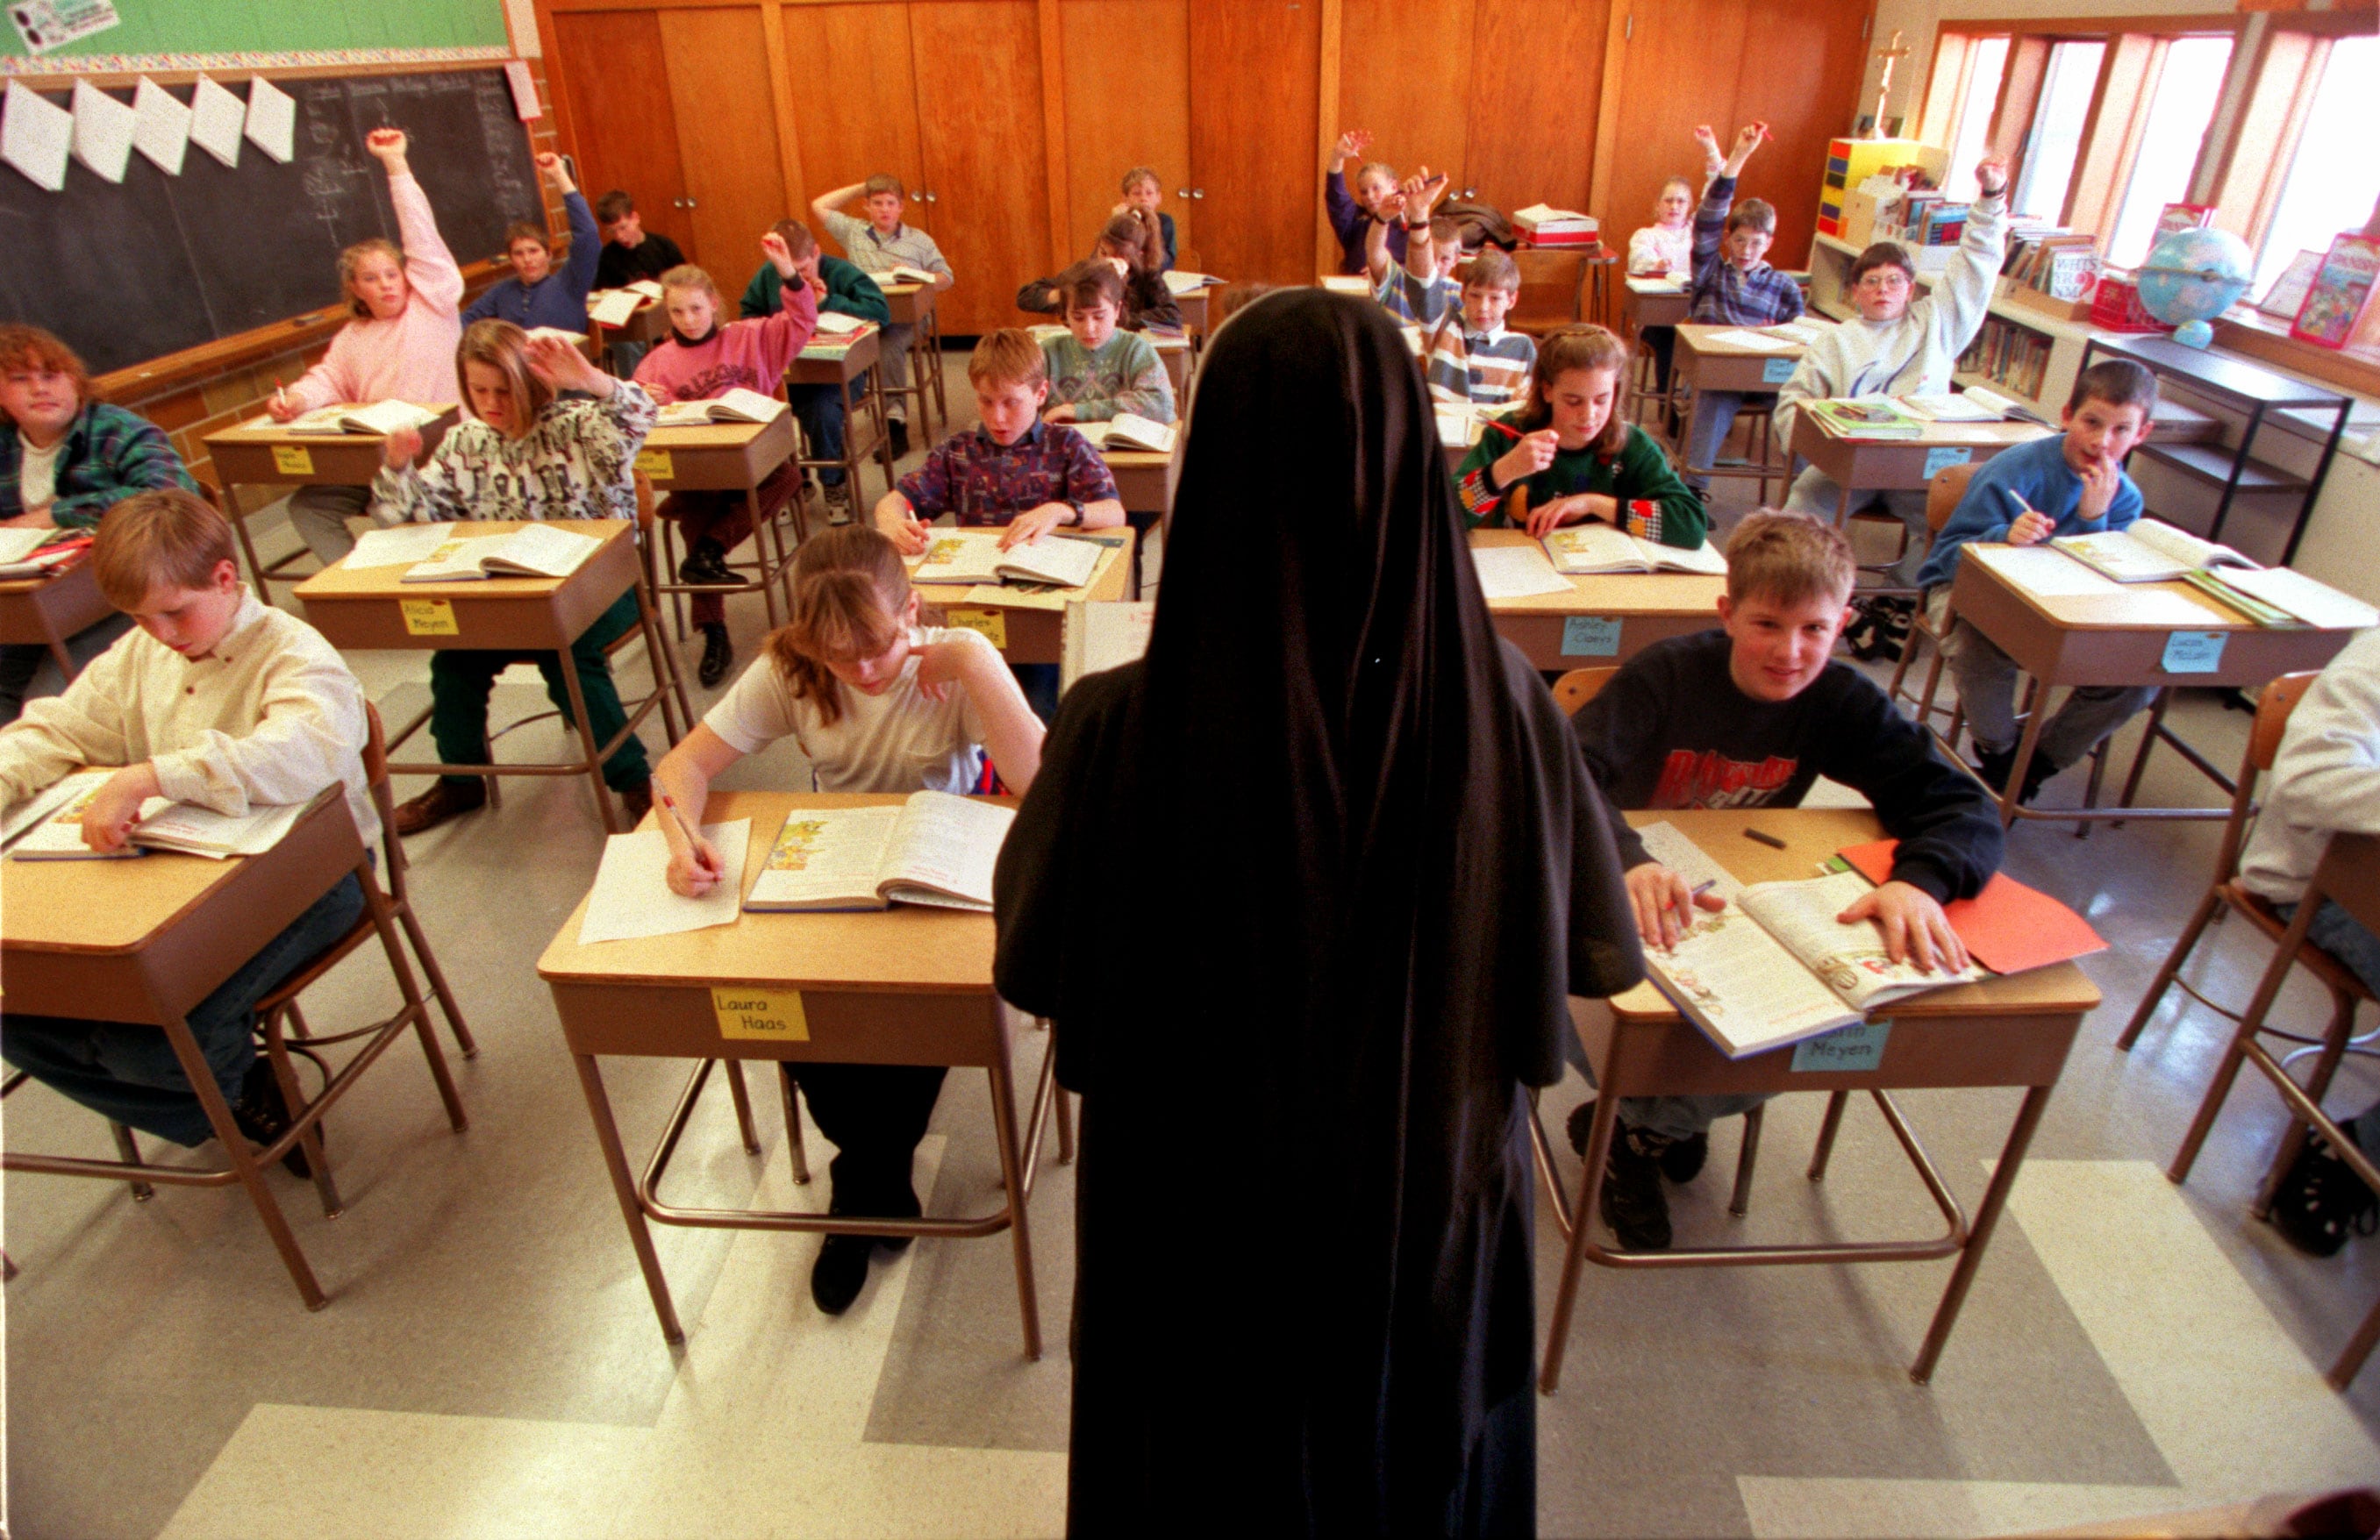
1758 837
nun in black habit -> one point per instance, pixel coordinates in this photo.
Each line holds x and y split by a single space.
1303 892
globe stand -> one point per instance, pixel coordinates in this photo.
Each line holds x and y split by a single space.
2194 334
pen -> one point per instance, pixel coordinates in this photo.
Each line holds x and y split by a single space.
693 840
1757 837
1706 887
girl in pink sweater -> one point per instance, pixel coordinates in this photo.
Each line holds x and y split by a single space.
704 358
399 347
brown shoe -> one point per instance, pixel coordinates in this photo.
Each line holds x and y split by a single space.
638 800
443 800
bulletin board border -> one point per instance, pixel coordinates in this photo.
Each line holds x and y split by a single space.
67 65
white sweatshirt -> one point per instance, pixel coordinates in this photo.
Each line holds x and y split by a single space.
2325 778
1916 354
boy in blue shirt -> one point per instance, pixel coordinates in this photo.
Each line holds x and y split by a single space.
538 293
2071 485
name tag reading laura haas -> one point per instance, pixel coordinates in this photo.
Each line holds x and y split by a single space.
763 1015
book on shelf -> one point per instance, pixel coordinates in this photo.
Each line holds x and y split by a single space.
1600 548
1179 283
48 826
2150 551
931 849
1097 635
379 418
2175 218
1129 430
736 406
532 551
613 307
2341 288
969 556
2287 295
1868 418
1775 966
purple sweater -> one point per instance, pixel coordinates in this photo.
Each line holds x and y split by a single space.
1349 222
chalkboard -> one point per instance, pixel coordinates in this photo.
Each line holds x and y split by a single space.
127 272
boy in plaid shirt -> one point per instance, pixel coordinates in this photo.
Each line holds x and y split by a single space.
1732 286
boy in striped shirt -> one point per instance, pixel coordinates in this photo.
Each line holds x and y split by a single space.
1471 357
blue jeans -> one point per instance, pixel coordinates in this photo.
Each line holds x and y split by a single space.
2338 933
126 1071
821 410
1671 1117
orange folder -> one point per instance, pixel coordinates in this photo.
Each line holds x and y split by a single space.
2009 927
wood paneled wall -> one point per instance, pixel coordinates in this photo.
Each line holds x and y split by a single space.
1012 121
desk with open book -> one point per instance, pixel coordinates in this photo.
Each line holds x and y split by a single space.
1901 452
731 456
837 360
907 985
1594 618
2009 1031
1021 611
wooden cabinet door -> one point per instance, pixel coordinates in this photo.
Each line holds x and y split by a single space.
1678 68
1803 64
1256 150
1405 73
978 72
726 135
1535 86
855 102
1127 95
610 68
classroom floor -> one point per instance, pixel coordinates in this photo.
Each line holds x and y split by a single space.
488 1364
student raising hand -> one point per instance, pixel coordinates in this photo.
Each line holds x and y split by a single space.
388 147
556 173
1713 157
1992 174
562 366
780 255
1352 143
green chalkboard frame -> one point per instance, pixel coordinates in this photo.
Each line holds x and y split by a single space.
171 35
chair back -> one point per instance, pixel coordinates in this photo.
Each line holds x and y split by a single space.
1943 493
2274 704
383 799
1575 689
1516 506
1553 289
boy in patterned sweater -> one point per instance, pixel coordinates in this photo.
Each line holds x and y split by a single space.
1095 371
1470 357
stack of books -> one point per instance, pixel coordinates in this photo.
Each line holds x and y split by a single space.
1563 229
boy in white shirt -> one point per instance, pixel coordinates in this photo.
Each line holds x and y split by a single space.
217 701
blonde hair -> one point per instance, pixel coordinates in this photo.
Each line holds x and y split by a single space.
352 259
1007 356
502 347
685 275
166 536
1789 558
1139 174
1576 347
1492 269
849 587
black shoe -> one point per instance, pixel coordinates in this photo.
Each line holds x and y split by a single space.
2036 775
2321 1200
906 1207
900 432
1633 1204
1993 765
1683 1161
1582 1118
638 800
718 652
443 800
705 566
262 1114
840 1272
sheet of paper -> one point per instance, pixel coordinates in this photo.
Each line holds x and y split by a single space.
218 118
36 137
1737 336
524 86
272 119
160 126
399 547
2043 571
103 134
2315 603
1516 571
615 306
632 897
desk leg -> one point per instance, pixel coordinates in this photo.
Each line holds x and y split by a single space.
768 546
247 546
623 1187
1012 1175
242 1157
1979 1234
604 808
1590 1182
2037 711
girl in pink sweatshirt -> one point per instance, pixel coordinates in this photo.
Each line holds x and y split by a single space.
399 347
705 359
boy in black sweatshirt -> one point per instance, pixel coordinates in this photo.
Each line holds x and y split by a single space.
1749 717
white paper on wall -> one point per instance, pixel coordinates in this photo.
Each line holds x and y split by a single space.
524 91
272 119
103 132
217 120
160 127
36 136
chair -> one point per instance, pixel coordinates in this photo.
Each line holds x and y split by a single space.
2348 874
1758 418
281 1025
1553 290
1578 686
1942 495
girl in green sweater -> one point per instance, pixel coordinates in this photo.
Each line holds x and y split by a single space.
1578 459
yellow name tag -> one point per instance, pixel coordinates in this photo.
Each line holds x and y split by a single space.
429 618
762 1014
293 459
655 463
992 623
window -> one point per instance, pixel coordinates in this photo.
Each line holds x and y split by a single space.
2066 88
2187 89
1975 119
2334 179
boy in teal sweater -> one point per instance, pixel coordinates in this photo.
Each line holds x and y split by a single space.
846 289
1095 371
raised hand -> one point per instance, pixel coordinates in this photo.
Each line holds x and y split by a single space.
400 447
388 146
1992 174
564 367
556 173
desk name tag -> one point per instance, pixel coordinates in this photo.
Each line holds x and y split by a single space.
1590 636
760 1015
1775 371
1939 460
429 618
2194 651
1852 1049
293 459
656 464
992 624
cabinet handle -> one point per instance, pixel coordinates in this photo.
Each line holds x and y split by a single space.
931 199
1470 192
1198 192
689 203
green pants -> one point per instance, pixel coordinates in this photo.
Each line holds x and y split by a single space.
459 683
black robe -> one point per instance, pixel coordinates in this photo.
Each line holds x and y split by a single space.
1303 892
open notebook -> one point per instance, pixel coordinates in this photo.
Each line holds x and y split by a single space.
933 849
48 826
382 417
736 406
1129 430
532 551
2150 551
967 556
1596 548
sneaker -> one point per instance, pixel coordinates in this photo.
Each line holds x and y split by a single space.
1683 1161
1633 1204
705 566
1993 765
718 652
262 1115
900 432
2321 1201
638 800
838 504
445 799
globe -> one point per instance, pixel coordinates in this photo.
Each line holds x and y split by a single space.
2193 276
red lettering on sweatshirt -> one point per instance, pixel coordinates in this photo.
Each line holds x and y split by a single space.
1709 779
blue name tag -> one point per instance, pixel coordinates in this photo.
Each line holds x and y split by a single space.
1590 636
2194 651
1939 460
1846 1051
1775 371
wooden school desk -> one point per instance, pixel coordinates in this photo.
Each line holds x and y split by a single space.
1607 618
730 457
1026 627
2011 1031
1639 309
262 453
373 607
1141 476
912 304
1193 307
911 985
1704 361
49 610
828 361
147 940
1862 465
2119 640
646 325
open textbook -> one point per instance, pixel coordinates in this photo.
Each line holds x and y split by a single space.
969 556
835 323
1775 966
2150 551
48 826
934 849
1975 404
37 552
613 307
1128 431
1179 283
736 406
381 417
1097 635
1593 548
532 551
